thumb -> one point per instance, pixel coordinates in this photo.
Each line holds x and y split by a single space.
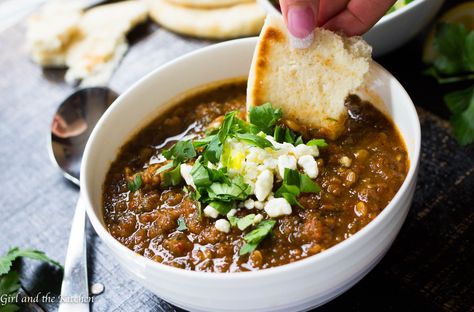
300 16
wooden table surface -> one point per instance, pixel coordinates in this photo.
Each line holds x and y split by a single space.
429 268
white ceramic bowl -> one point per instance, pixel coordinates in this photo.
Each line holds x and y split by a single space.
292 287
395 29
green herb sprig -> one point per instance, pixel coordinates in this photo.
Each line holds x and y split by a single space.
10 280
454 45
257 235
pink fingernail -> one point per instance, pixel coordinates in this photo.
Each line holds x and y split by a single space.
301 21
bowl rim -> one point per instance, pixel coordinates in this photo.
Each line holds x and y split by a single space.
271 9
110 241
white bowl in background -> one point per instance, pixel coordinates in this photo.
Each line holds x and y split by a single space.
292 287
395 29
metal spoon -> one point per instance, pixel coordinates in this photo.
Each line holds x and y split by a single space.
72 124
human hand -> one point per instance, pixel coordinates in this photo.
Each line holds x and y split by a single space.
353 17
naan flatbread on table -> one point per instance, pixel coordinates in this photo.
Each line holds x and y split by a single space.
309 85
90 43
93 57
245 19
208 4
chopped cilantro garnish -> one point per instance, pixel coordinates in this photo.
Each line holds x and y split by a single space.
204 141
307 185
135 184
237 189
289 136
226 126
213 150
200 175
279 134
254 238
265 117
222 207
172 177
254 140
181 224
165 167
295 183
245 222
299 140
317 142
233 220
181 151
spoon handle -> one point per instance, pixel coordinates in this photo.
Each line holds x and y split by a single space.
74 288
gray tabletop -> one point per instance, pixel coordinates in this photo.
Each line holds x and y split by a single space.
428 268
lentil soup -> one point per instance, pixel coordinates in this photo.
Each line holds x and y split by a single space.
201 189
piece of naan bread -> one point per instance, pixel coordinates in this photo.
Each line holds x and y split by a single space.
51 30
309 85
208 4
240 20
93 57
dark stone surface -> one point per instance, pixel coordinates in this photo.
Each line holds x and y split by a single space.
429 268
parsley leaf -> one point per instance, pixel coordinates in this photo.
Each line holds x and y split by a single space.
9 280
15 252
203 142
172 177
317 142
236 190
200 175
233 220
222 207
279 134
265 117
307 185
455 46
181 224
181 151
165 167
461 103
213 150
295 183
455 62
245 222
136 183
226 126
9 287
257 235
254 140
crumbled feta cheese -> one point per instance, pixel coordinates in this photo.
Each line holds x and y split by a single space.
259 205
270 163
257 219
249 203
211 212
264 185
303 150
285 161
223 225
231 212
345 161
309 166
185 171
277 207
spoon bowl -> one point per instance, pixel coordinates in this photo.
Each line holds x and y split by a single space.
72 125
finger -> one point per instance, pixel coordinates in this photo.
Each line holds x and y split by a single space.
359 16
300 16
329 9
